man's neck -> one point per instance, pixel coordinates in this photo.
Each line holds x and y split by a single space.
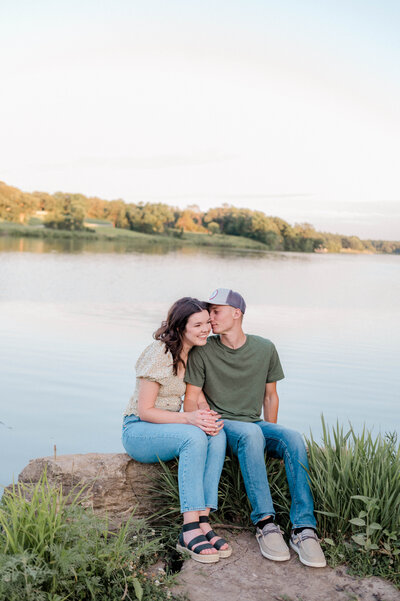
233 340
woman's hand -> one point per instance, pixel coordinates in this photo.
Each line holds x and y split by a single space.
206 420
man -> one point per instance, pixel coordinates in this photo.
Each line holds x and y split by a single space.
238 373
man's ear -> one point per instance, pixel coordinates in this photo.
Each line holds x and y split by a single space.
237 314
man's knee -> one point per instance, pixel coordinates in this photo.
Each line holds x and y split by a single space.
296 439
252 438
294 442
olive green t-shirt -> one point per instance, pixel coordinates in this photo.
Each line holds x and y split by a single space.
233 380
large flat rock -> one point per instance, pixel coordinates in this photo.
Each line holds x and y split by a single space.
114 483
247 576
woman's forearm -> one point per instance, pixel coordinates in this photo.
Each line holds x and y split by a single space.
148 391
205 420
162 416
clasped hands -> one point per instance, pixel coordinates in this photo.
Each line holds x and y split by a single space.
208 420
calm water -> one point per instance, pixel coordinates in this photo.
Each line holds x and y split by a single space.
74 318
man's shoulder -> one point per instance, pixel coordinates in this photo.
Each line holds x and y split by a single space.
260 342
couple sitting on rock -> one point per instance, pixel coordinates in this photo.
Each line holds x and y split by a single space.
226 380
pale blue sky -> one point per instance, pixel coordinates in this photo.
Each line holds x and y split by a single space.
287 107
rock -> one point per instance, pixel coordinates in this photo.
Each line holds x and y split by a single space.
247 576
114 483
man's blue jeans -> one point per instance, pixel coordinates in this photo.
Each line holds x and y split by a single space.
201 457
248 441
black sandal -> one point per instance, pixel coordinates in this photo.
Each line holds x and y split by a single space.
195 554
223 553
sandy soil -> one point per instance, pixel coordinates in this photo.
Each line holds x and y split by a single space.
247 576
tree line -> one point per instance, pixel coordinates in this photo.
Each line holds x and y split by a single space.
75 211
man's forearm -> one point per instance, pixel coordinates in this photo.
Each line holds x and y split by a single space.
202 404
271 406
190 403
195 399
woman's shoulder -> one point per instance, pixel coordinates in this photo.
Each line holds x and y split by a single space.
154 358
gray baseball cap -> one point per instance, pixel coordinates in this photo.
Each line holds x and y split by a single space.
224 296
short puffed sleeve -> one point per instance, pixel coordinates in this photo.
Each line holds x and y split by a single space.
154 363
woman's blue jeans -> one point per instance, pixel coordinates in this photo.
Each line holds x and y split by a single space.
249 441
201 457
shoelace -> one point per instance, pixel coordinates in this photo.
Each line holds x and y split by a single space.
269 528
306 533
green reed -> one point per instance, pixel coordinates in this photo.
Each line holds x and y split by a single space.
52 549
355 479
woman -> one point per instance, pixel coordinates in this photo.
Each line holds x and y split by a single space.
154 427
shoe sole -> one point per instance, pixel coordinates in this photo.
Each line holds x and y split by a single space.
318 564
225 553
273 557
211 558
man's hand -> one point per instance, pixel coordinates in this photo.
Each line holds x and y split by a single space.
196 403
219 424
206 420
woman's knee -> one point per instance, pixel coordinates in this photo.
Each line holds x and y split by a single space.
195 437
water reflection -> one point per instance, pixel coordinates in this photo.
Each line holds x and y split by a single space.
78 245
126 246
74 316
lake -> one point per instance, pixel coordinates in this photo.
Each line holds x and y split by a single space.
75 315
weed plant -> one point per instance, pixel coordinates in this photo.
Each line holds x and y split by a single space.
51 549
355 480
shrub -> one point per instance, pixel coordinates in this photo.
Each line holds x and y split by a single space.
51 549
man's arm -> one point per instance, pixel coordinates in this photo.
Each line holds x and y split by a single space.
271 403
194 398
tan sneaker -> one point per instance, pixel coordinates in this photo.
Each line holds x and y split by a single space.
272 545
306 545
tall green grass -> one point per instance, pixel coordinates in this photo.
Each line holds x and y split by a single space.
355 481
51 549
352 473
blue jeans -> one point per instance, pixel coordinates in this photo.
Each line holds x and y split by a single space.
201 457
248 441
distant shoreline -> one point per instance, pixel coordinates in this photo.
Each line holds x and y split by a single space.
76 216
101 233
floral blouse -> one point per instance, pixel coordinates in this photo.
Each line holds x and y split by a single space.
155 364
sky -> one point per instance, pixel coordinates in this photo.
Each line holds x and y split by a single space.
288 107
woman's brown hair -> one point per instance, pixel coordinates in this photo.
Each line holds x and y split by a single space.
171 331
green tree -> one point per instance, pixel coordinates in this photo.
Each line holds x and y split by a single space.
213 228
116 212
68 214
150 218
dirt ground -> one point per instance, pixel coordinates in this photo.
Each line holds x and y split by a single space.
247 576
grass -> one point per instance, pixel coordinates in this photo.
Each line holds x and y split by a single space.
28 231
115 234
51 549
355 480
